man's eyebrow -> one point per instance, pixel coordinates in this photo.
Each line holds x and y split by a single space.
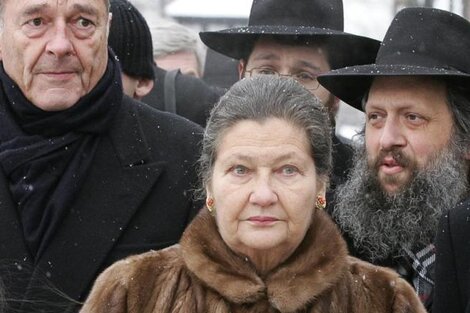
38 8
266 56
303 63
35 9
87 9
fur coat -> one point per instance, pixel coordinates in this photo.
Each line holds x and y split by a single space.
201 274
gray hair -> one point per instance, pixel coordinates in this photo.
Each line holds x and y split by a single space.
257 99
170 37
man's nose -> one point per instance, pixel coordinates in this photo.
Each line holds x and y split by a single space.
392 135
59 43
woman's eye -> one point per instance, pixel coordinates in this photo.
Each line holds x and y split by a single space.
289 170
239 170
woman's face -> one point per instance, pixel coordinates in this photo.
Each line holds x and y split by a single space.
264 186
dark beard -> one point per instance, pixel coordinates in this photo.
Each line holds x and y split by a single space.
382 225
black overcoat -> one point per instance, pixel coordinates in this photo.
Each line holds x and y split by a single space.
452 283
194 98
136 197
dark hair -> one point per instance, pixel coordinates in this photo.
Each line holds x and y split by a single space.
262 97
458 99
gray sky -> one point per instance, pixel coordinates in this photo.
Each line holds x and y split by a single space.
363 17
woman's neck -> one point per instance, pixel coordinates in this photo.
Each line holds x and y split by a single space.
265 261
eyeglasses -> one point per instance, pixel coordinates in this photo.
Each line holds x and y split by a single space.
307 79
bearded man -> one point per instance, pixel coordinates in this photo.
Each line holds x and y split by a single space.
413 163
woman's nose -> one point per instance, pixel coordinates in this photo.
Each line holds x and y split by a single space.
263 194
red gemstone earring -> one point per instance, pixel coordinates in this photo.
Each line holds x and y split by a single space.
210 205
320 203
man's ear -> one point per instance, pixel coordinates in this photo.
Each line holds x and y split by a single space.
336 100
108 27
241 68
143 87
1 46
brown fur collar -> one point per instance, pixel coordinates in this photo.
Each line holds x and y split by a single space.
318 263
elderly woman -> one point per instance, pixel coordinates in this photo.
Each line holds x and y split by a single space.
263 243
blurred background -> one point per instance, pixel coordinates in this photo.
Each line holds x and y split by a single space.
369 18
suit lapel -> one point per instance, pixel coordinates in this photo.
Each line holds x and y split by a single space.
119 180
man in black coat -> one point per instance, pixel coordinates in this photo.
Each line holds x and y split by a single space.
452 293
300 39
414 161
184 95
131 40
87 176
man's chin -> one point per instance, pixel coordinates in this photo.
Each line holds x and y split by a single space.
391 185
391 190
55 100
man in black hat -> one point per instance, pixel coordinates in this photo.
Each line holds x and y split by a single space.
301 39
87 175
413 164
130 38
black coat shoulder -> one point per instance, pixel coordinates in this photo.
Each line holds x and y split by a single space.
194 97
452 283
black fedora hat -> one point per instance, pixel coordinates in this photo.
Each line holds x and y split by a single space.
418 42
322 19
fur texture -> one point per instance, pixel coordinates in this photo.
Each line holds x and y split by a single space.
203 275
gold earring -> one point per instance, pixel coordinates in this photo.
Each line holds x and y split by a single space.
320 203
210 205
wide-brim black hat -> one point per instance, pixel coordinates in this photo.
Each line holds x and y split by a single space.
419 42
322 19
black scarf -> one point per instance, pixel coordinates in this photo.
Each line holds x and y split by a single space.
46 155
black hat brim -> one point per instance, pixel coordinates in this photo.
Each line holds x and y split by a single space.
350 84
348 49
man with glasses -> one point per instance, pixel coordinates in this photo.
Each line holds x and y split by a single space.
306 78
301 39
